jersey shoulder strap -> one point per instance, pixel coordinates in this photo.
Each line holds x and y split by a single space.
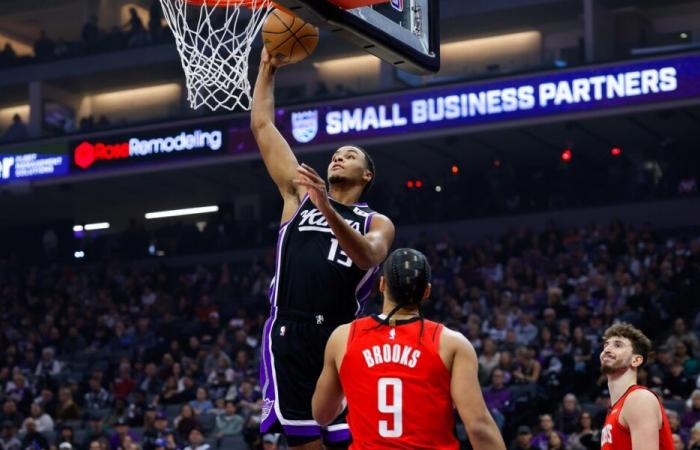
353 329
431 334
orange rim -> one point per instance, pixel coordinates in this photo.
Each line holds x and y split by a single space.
250 4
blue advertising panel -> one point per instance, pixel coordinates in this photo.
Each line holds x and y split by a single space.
31 164
536 96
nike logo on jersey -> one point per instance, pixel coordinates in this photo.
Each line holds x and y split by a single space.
314 220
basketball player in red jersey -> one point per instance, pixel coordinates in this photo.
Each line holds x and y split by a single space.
402 374
636 420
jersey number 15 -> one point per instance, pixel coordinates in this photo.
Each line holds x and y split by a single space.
336 254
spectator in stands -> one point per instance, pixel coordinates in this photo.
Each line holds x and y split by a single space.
211 362
682 334
20 393
568 414
527 367
95 429
247 398
155 19
43 421
677 442
96 397
151 383
158 431
196 441
187 390
691 366
8 55
270 441
8 439
694 441
48 366
489 359
186 421
545 343
201 404
558 369
541 441
91 34
692 413
171 441
555 442
676 384
67 436
32 438
67 408
229 423
582 438
242 367
44 47
124 384
497 397
11 414
17 131
674 421
525 330
523 439
98 444
136 32
169 393
129 443
121 433
48 401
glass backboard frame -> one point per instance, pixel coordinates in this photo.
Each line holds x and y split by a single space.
415 47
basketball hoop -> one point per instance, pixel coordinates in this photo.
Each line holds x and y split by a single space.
214 39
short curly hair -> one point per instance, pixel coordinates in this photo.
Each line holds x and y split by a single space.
641 345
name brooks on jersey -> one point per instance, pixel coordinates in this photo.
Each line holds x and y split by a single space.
387 353
314 220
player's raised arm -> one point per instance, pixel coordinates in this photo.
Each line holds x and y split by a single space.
643 418
365 251
279 160
466 394
326 403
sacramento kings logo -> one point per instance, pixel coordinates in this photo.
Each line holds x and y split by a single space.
304 125
266 408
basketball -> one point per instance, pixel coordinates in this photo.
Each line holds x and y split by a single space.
288 38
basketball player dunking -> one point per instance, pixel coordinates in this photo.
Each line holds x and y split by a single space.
402 374
328 250
636 420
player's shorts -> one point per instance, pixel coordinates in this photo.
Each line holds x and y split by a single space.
292 359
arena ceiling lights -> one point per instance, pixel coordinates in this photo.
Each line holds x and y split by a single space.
181 212
91 227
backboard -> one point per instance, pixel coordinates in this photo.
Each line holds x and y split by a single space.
404 33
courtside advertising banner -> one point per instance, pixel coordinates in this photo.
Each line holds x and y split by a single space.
26 164
152 147
462 106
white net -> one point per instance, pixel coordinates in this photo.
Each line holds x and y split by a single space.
214 39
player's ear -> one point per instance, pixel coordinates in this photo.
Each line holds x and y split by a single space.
637 360
382 284
426 293
367 176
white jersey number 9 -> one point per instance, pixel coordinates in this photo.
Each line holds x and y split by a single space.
395 428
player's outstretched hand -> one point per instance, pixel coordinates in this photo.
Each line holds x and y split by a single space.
315 186
267 59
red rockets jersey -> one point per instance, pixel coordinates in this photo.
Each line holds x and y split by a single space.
614 436
397 386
